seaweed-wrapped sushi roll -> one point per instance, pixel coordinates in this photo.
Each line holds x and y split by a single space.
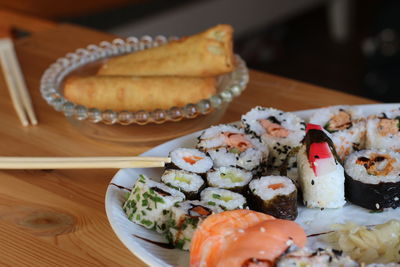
321 174
373 179
149 203
231 178
187 182
383 131
230 146
190 159
183 220
346 125
274 195
280 131
223 198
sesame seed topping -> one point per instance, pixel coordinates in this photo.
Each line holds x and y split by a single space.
377 205
262 229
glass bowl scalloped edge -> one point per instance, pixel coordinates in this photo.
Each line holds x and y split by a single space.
230 85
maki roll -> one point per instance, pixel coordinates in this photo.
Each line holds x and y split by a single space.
274 195
383 131
189 159
373 179
228 145
346 125
223 198
320 257
188 183
280 131
149 203
184 219
321 175
231 178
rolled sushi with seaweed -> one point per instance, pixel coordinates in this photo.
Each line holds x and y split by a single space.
150 202
223 198
346 126
274 195
232 178
321 257
230 146
383 131
183 221
189 159
188 183
280 131
373 179
321 175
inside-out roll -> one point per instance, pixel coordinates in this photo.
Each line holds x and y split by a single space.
373 179
346 126
321 174
383 131
230 146
274 195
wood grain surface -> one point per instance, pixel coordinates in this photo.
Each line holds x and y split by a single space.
57 218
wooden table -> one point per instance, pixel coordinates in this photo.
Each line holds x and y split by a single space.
57 217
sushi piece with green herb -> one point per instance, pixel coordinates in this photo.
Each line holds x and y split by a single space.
187 182
274 195
223 198
149 203
231 178
184 219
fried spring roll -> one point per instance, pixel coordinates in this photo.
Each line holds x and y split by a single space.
209 53
137 93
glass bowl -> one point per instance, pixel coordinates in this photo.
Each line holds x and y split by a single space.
144 126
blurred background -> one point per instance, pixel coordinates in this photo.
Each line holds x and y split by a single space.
347 45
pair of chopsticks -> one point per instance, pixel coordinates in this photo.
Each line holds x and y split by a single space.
15 81
82 162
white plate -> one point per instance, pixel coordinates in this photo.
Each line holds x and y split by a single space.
313 220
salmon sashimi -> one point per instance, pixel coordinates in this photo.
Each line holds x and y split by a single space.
262 244
237 140
212 235
274 129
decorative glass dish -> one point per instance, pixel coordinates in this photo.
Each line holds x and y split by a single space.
141 127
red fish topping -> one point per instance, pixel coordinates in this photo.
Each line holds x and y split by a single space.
192 159
237 140
274 129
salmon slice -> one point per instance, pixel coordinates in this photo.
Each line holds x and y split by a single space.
237 140
210 238
274 129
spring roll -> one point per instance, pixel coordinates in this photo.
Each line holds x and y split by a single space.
209 53
137 93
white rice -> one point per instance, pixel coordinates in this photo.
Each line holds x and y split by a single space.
278 147
223 198
260 187
323 191
375 138
201 166
347 140
187 181
228 177
359 172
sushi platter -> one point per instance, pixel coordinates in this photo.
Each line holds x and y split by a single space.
301 157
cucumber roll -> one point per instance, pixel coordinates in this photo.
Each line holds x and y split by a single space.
280 131
184 219
231 178
321 175
223 198
150 202
373 179
274 195
383 131
346 125
188 183
190 159
230 146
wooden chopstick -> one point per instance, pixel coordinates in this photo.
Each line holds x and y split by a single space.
15 81
81 162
